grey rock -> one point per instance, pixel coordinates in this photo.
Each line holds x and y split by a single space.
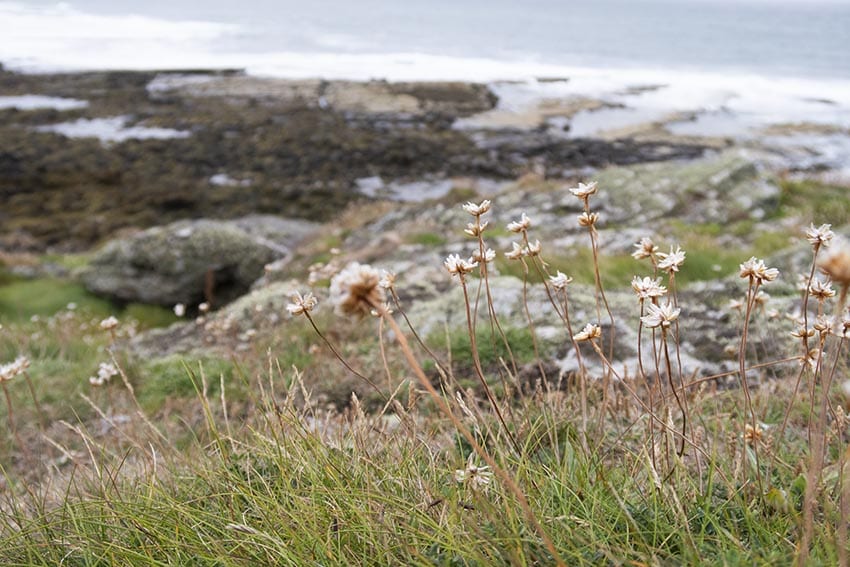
192 261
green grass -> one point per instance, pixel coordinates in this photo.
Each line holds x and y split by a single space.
815 202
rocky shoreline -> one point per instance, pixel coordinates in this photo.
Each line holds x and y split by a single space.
252 146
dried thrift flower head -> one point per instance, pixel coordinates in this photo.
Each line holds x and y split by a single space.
735 305
457 266
756 270
660 316
355 290
821 290
672 261
180 310
388 280
588 220
761 298
648 288
516 252
836 262
477 210
583 191
473 475
475 230
522 225
646 248
820 236
301 304
109 323
823 325
204 307
590 332
489 256
105 372
802 332
533 248
559 281
752 434
14 368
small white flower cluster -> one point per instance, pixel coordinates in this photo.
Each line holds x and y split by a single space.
14 368
302 304
109 324
473 475
757 271
105 372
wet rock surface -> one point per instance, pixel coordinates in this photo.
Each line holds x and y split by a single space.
292 148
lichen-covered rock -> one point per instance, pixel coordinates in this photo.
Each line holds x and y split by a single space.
191 261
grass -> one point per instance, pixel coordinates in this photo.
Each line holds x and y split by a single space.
266 457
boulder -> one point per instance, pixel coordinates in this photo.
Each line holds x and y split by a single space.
192 261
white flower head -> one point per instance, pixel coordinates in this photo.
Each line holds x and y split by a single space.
522 225
355 290
302 304
533 248
388 280
109 323
588 220
457 266
758 271
672 261
475 476
559 281
14 368
836 262
583 191
477 210
180 310
591 331
821 290
489 256
645 248
475 230
820 236
648 288
516 252
660 316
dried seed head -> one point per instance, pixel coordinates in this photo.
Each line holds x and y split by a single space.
475 230
301 304
109 323
559 281
647 288
660 316
588 220
489 256
180 310
522 225
583 191
672 261
836 262
821 290
820 236
516 252
14 368
756 270
457 266
645 248
533 248
388 280
355 290
477 210
590 332
473 475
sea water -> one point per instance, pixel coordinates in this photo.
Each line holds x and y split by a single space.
739 65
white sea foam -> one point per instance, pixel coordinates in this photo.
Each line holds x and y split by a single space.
112 129
734 103
34 102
